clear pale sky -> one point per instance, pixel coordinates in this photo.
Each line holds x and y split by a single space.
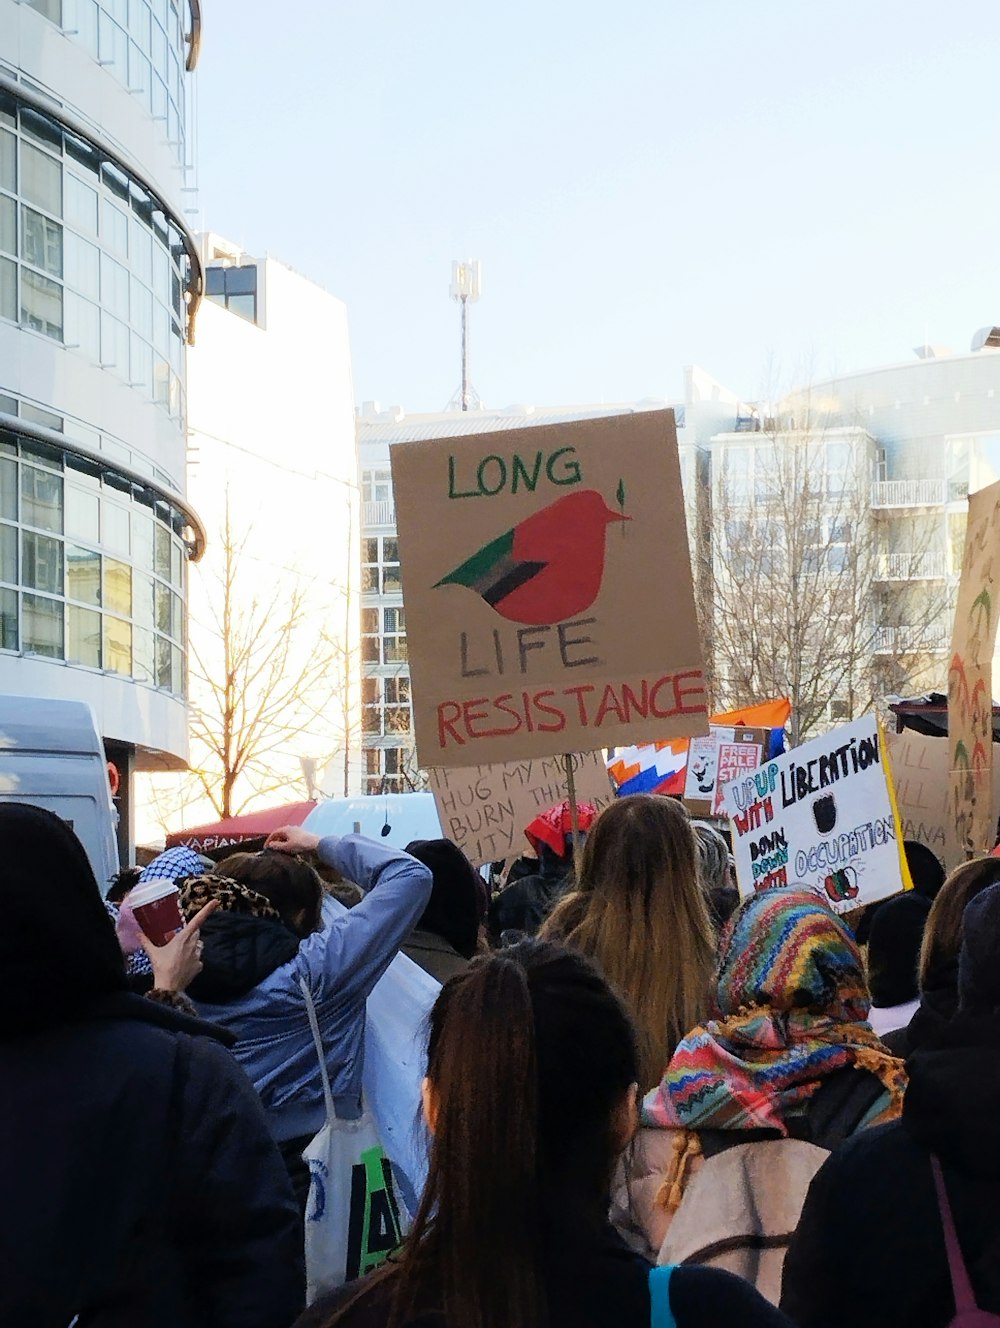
771 189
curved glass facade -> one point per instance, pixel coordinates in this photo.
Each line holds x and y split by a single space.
88 258
141 43
92 565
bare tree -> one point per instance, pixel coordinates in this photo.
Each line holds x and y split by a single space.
815 596
262 676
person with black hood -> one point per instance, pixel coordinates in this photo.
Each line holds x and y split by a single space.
938 969
447 934
894 940
138 1182
870 1249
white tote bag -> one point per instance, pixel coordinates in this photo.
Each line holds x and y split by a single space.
354 1219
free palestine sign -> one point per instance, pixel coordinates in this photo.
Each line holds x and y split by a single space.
548 594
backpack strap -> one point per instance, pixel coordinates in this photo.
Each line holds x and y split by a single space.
660 1313
961 1286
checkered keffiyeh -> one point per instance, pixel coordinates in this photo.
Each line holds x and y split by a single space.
171 865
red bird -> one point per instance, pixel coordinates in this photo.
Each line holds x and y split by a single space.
547 568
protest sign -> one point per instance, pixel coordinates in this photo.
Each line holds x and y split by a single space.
713 760
920 765
970 679
548 594
485 808
822 815
737 756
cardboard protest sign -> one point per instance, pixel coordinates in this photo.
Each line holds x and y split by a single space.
699 778
970 679
547 584
485 808
822 815
715 759
920 766
737 756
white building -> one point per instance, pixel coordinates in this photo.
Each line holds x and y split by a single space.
894 452
272 444
99 284
390 761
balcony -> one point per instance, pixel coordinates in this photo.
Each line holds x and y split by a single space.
910 640
929 566
909 493
378 514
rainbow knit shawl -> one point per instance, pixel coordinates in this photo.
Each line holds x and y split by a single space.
792 1008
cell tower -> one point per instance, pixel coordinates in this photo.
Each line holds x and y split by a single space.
465 287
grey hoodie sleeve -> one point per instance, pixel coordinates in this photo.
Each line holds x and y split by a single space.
355 947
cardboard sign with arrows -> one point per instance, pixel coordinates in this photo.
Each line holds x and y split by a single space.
548 593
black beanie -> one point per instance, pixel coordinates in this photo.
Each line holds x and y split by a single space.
458 899
925 867
58 949
897 929
979 957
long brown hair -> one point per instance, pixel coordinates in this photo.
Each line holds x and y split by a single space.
639 912
529 1055
943 930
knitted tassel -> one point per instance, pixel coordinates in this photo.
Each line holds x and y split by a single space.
686 1148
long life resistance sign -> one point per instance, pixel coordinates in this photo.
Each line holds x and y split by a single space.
547 584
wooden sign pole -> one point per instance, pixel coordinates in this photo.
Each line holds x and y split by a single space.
574 817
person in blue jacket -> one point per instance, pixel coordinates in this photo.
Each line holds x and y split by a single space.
275 927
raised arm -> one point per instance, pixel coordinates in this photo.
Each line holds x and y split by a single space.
354 948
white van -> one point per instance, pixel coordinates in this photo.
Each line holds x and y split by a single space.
52 756
398 818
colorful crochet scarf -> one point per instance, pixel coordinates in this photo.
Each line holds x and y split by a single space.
792 1008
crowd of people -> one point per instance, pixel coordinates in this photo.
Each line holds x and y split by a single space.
646 1102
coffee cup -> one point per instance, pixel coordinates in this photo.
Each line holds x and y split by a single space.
156 906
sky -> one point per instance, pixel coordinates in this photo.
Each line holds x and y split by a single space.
775 190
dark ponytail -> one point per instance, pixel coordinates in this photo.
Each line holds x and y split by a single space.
529 1055
476 1227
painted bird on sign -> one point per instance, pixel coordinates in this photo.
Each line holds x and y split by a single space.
548 567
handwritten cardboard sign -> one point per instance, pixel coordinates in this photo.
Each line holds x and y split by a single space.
822 815
970 678
485 808
920 768
547 584
713 760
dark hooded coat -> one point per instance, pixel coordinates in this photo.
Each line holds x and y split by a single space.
138 1182
869 1250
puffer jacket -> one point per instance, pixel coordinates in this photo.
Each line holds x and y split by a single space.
139 1184
253 968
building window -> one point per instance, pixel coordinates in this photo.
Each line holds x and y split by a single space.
376 486
380 565
82 597
386 706
42 626
85 258
235 288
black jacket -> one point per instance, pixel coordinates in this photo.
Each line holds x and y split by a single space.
593 1281
139 1186
938 1006
239 952
526 904
869 1250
